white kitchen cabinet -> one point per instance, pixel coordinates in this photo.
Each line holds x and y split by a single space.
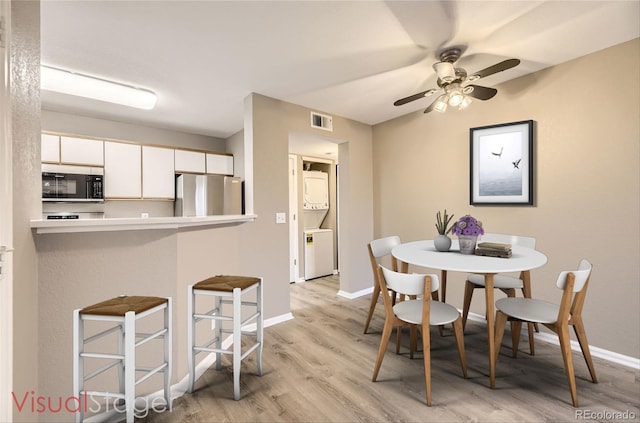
220 164
122 170
190 161
50 148
81 151
158 177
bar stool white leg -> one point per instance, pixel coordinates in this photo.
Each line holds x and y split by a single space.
78 364
237 341
168 324
259 326
130 364
191 327
121 351
218 330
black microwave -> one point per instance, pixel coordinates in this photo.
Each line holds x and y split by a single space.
58 186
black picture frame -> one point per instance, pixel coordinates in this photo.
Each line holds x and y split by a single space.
501 164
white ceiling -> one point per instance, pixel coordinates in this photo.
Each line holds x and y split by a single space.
347 58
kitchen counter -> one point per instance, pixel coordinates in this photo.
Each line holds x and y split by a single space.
134 224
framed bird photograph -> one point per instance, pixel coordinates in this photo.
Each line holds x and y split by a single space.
501 164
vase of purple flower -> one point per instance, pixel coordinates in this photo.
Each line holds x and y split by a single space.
467 228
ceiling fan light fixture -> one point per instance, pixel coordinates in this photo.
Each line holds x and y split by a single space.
465 102
441 104
454 95
445 71
77 84
456 99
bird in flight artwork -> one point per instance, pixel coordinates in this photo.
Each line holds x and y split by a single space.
516 164
498 154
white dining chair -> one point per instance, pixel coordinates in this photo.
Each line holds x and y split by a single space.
557 317
417 313
378 249
506 283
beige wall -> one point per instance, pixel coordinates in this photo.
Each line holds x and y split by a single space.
587 192
25 109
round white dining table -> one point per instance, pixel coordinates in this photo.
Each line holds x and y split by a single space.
424 254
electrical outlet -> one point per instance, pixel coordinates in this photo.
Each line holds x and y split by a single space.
281 218
144 215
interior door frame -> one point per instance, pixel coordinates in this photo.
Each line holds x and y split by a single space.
294 259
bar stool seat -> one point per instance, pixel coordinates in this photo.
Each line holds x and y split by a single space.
226 289
124 311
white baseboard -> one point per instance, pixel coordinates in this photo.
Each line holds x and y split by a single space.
550 338
354 295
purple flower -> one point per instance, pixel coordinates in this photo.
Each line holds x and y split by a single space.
467 225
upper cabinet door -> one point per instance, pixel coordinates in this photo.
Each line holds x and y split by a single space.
122 170
81 151
220 164
190 161
158 177
50 150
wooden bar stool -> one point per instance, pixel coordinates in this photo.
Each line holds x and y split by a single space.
226 290
124 311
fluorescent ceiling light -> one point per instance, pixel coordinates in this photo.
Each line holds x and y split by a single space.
80 85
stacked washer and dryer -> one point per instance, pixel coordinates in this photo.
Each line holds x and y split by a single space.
318 243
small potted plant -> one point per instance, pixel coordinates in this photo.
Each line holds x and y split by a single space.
467 228
442 242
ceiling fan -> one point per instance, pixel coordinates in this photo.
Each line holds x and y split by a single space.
450 80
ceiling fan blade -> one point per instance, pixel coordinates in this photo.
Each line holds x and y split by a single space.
498 67
432 105
414 97
482 93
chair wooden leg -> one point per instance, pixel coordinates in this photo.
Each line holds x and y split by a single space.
443 285
468 294
530 330
413 340
516 328
374 301
565 347
426 353
458 332
526 293
578 327
398 328
501 322
435 297
384 341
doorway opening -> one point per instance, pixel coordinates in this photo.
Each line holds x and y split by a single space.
313 226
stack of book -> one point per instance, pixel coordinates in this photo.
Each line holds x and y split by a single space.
493 249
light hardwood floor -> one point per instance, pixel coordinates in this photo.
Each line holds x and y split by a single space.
318 367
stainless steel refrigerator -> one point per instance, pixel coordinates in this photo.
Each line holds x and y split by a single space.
208 195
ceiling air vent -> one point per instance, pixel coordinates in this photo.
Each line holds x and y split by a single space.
321 121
